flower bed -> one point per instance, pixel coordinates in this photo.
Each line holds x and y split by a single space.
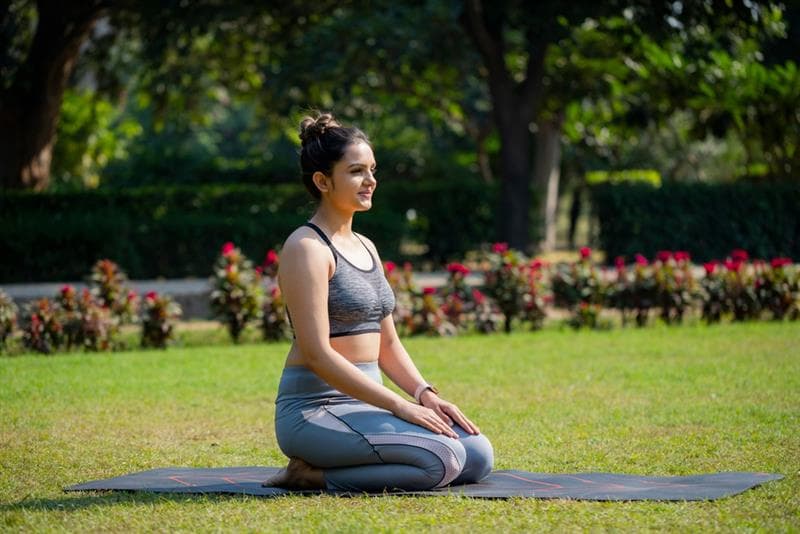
517 292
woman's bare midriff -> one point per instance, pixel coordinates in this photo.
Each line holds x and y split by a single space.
360 348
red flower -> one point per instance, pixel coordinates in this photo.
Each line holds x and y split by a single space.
67 290
259 270
271 258
457 268
733 265
227 248
478 297
499 248
663 256
131 295
739 255
428 290
710 267
151 295
585 252
780 262
641 260
389 266
536 264
681 255
619 261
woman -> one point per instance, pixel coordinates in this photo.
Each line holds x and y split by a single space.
341 428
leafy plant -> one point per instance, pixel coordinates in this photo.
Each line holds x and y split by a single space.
579 288
535 298
405 294
713 293
428 317
237 296
778 288
8 317
42 330
487 318
507 282
109 286
741 298
274 322
585 315
86 321
675 286
159 315
458 304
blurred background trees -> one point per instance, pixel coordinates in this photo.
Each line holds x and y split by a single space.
525 98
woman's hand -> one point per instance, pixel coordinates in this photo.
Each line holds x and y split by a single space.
424 417
447 412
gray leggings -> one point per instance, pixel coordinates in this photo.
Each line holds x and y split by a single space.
364 448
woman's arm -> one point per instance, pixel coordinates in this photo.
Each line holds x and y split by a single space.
304 284
398 366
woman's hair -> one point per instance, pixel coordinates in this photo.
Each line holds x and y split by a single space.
324 141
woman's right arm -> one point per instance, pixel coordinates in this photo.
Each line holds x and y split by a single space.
303 277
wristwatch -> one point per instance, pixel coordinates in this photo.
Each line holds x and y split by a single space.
422 388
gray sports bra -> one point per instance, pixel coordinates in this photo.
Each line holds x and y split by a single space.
358 299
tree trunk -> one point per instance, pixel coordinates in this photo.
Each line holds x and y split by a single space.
515 105
30 107
547 174
515 193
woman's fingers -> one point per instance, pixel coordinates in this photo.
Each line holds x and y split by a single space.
443 416
463 421
440 426
428 418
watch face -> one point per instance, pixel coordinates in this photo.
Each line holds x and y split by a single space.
434 389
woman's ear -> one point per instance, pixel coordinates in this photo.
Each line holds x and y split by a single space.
321 181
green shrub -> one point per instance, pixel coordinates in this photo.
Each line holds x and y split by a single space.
275 320
8 318
42 329
159 315
707 220
237 297
516 285
87 321
173 231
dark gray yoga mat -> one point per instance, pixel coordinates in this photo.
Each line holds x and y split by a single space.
498 485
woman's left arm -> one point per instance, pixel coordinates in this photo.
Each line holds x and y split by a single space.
395 362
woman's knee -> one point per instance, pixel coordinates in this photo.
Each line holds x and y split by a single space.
479 459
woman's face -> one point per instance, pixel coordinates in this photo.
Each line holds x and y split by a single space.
352 179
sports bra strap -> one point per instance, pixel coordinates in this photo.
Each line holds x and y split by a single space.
319 231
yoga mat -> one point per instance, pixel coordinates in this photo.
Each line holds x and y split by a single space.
498 485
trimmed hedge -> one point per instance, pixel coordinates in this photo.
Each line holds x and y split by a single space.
177 231
707 220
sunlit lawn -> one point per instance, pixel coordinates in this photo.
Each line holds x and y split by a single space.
659 401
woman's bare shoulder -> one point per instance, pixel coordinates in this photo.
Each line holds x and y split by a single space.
304 242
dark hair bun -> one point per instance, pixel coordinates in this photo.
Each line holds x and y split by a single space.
324 141
314 127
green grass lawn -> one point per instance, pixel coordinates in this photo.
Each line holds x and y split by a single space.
658 401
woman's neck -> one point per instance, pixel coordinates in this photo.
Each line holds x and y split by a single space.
333 221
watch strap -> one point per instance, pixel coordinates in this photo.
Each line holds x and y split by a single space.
421 389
